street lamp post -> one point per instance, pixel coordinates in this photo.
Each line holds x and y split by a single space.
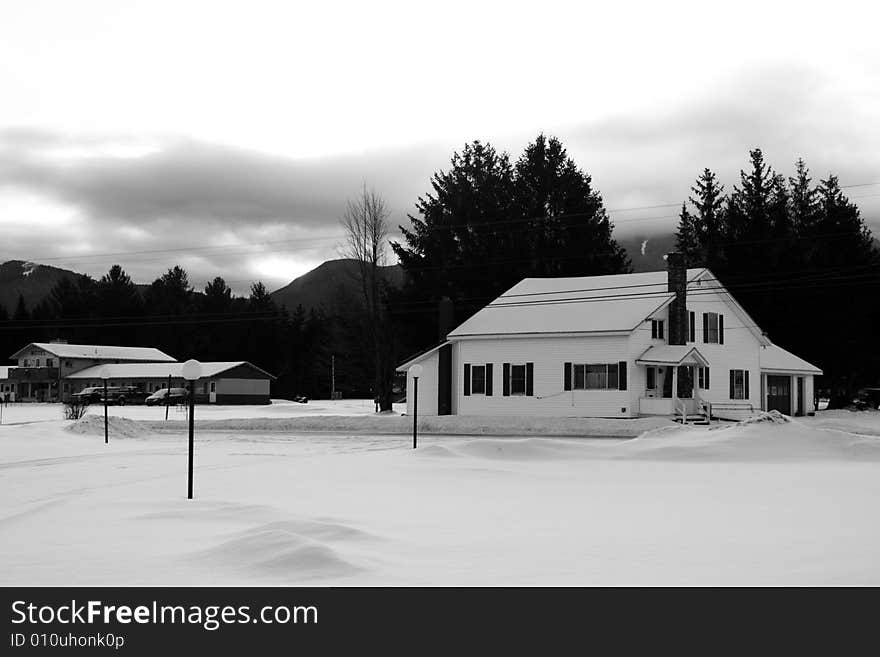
416 371
192 371
104 374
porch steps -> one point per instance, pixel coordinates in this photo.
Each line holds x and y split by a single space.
692 418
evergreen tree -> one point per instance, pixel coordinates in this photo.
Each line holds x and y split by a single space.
566 229
700 235
488 224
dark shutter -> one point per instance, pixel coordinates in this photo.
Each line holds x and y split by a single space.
467 379
566 379
530 376
621 375
693 326
746 384
732 383
505 380
488 379
706 327
653 329
660 329
707 378
720 329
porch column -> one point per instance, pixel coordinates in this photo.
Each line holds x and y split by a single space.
675 381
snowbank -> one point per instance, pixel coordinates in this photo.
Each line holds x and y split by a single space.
118 427
770 437
455 425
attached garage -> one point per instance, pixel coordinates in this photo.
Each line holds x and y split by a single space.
787 382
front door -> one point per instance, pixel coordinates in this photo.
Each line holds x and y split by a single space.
779 394
212 395
685 382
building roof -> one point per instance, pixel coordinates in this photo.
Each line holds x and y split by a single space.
100 352
776 359
158 370
422 355
671 354
586 304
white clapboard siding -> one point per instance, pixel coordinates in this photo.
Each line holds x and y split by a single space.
427 386
549 355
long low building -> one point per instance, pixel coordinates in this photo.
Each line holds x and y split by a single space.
49 371
234 382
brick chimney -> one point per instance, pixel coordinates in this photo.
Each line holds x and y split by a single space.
445 318
676 271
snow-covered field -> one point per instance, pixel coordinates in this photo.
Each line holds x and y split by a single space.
760 503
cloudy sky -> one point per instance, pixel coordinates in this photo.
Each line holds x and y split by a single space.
227 136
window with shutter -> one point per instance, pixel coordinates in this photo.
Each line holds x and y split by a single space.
478 379
530 379
467 379
566 377
518 379
720 329
692 326
621 375
505 379
488 379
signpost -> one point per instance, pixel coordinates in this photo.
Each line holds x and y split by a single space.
167 397
416 371
192 372
104 373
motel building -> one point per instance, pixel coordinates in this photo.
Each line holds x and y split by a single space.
54 371
672 343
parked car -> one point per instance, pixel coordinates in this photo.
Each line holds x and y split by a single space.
119 395
89 395
169 396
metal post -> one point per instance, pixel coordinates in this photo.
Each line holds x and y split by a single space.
192 404
167 397
415 410
332 376
106 432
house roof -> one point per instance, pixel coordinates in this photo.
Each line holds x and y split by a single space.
158 370
669 354
586 304
412 360
774 358
101 352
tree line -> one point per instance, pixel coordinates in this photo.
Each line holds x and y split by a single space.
211 324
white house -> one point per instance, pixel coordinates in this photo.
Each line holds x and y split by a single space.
653 343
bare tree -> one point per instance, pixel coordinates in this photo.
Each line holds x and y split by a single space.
366 226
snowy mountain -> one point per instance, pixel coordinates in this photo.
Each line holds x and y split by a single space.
30 280
329 284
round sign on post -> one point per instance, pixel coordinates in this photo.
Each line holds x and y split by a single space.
416 372
191 371
104 374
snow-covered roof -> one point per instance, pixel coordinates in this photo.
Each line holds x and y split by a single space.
586 304
157 370
671 354
101 352
422 355
775 358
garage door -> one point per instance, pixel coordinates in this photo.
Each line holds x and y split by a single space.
779 394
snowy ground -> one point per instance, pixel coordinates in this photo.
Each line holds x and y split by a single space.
792 503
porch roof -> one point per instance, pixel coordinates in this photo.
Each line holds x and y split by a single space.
670 354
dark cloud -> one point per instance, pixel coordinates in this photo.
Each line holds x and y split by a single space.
184 193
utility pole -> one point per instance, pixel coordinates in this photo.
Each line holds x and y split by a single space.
167 397
332 376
